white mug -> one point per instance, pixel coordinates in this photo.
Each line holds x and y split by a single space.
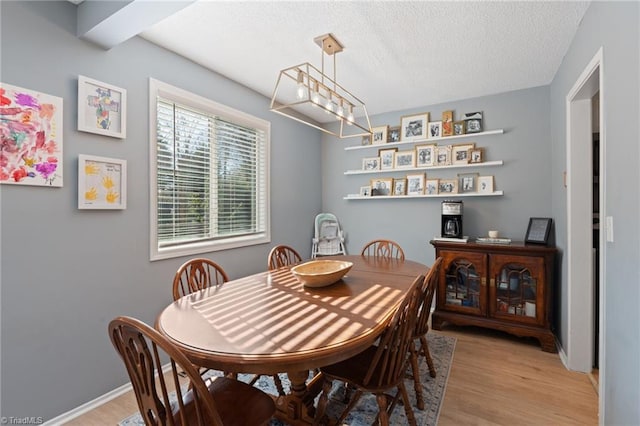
493 234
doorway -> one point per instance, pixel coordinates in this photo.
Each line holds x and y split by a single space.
585 196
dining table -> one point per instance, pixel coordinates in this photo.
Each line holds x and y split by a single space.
269 323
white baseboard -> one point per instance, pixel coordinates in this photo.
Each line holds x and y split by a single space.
95 403
563 355
88 406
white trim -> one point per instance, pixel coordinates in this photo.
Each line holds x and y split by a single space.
95 403
577 346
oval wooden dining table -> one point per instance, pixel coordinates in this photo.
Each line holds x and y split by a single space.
270 323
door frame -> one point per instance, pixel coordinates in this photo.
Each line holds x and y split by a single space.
579 163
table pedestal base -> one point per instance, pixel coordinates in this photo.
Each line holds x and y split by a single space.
296 408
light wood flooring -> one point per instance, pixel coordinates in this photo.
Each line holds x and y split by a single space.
495 379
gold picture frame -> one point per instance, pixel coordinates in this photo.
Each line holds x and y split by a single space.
443 155
381 186
379 135
476 155
431 186
414 127
458 128
415 184
387 158
448 186
460 154
400 186
447 123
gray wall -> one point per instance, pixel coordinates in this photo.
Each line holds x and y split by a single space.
525 148
614 27
66 273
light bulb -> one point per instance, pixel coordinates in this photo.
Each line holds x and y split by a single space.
329 105
315 96
340 111
301 87
350 116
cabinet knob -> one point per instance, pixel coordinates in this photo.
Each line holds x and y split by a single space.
483 281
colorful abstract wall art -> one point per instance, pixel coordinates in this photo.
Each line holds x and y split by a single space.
31 129
102 183
102 108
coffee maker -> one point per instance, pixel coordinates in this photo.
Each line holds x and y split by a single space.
452 219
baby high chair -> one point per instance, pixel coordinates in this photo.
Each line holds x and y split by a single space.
329 238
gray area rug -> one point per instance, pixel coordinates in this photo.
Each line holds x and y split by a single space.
441 348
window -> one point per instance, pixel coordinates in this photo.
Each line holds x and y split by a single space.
209 175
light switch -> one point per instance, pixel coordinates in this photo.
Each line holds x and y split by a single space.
609 229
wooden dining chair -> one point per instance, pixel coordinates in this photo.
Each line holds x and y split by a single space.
421 329
282 255
220 401
196 274
379 368
385 249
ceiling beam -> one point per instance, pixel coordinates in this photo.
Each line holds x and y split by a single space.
109 23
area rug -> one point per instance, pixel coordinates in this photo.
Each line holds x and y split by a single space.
364 413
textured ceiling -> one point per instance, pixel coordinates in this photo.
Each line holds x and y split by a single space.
398 55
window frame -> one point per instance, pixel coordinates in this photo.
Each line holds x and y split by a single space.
175 94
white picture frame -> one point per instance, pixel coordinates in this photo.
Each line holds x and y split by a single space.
415 184
102 108
102 183
485 184
414 127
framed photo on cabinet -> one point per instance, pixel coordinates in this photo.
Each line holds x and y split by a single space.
538 230
414 127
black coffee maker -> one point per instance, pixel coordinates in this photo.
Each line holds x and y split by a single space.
452 219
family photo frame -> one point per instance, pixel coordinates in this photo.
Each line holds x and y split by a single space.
414 127
381 186
460 154
467 182
371 163
405 159
435 129
443 155
415 184
425 155
379 135
400 186
387 158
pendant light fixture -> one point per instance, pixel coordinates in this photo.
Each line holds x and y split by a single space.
308 95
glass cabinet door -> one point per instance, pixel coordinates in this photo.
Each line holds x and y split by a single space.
516 288
463 284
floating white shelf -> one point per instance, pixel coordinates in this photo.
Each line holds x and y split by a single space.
430 140
398 197
452 166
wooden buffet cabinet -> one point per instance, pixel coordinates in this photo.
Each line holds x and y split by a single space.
504 287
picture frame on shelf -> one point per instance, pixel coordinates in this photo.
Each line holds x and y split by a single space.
371 163
431 186
448 186
435 129
415 184
467 182
400 186
443 155
366 139
458 128
476 155
405 159
379 135
460 154
538 230
381 186
102 108
365 191
473 122
394 134
414 127
102 183
485 184
425 155
447 123
387 158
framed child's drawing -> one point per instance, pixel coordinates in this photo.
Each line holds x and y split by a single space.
102 183
102 108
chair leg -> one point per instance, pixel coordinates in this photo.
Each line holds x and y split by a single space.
417 385
407 404
427 355
278 382
352 403
383 415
